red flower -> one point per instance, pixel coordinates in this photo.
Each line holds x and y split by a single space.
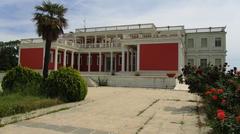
208 92
214 97
221 114
213 90
238 118
220 91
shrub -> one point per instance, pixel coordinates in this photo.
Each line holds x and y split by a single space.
102 81
22 80
66 84
137 74
220 91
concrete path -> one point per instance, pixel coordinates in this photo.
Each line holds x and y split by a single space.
119 111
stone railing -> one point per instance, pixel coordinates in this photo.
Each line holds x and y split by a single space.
209 29
32 40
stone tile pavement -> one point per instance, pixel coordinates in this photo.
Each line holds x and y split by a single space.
120 111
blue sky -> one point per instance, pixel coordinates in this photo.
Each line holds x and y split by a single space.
15 16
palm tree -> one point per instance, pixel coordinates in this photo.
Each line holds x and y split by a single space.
50 21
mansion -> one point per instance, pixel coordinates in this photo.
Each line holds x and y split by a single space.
143 48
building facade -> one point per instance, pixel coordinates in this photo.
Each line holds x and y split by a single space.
142 48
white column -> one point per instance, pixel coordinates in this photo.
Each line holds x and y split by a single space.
100 61
131 59
105 63
72 59
135 54
85 41
89 61
105 40
78 62
115 63
56 59
64 57
95 40
138 57
123 60
127 59
19 56
111 64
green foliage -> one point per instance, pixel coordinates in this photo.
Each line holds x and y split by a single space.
66 84
8 54
22 80
102 81
220 91
18 103
50 22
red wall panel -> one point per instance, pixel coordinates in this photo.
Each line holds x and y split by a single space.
159 56
31 57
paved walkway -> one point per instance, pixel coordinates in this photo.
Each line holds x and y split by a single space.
119 111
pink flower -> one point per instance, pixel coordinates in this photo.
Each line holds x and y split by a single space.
223 101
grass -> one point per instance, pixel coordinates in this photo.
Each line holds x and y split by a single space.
17 103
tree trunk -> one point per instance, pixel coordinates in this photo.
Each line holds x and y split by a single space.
46 58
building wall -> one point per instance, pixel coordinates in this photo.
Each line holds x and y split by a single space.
31 57
211 52
159 56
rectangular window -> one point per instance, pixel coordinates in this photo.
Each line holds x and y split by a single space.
204 43
191 61
134 36
146 35
59 58
51 56
218 42
218 62
190 43
203 62
120 60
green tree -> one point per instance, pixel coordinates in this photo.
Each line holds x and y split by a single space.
8 54
50 21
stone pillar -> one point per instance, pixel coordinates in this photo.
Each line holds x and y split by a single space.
131 59
100 61
138 57
123 60
89 61
111 64
135 56
127 59
95 40
64 57
72 59
56 59
85 41
19 56
78 62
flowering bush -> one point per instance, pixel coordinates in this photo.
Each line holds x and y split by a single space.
220 90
